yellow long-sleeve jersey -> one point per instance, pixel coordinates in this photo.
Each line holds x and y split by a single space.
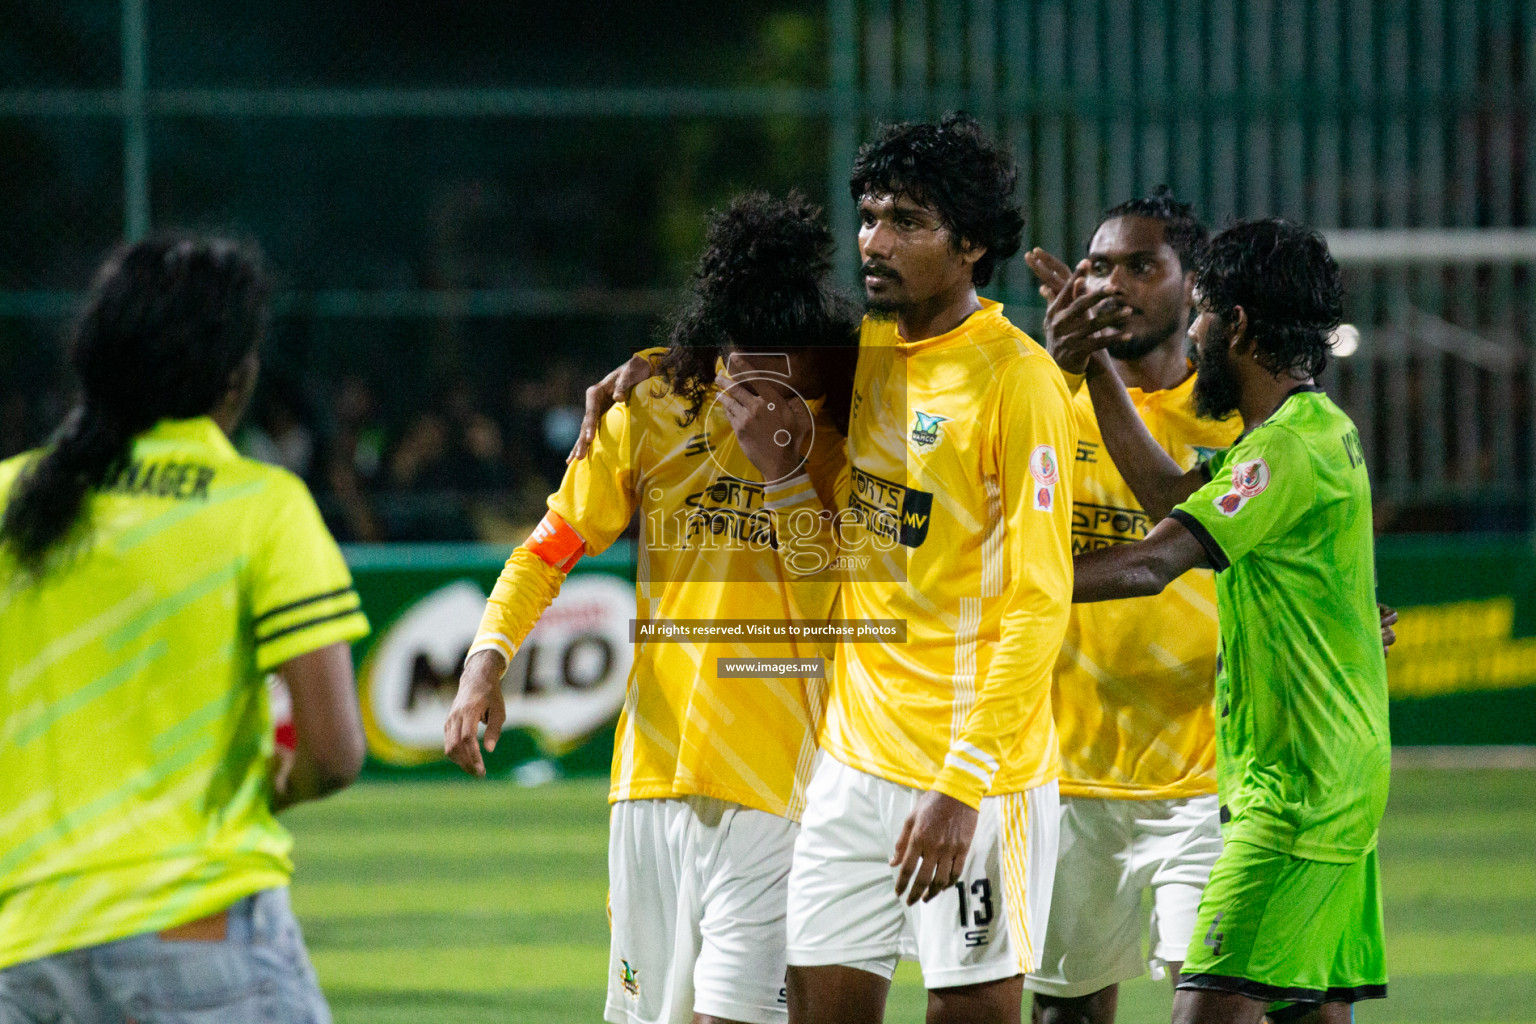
702 553
1135 679
955 516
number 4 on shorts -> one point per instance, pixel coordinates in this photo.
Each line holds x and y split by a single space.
1213 938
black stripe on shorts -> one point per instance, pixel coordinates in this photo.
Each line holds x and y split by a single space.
1276 994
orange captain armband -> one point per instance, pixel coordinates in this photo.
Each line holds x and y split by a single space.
556 542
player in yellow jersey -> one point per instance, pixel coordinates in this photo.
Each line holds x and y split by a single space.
1135 679
930 823
709 770
150 578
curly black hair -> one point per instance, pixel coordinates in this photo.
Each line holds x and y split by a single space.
167 322
953 168
762 282
1182 230
1287 283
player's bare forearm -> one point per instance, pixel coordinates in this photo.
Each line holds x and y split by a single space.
1158 482
479 700
1137 570
307 778
328 729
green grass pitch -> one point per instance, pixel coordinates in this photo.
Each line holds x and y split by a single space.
461 902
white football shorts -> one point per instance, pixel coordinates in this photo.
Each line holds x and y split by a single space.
697 890
843 905
1112 850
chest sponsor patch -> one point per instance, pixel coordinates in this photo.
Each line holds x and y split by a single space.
1103 526
925 429
890 510
1044 476
729 509
1249 479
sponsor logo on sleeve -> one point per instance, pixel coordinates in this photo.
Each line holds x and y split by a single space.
1248 481
1042 469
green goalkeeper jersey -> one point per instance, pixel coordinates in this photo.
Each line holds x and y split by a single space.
1303 751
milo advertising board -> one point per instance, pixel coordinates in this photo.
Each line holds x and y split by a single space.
563 689
1463 670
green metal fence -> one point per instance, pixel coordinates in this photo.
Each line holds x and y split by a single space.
1401 127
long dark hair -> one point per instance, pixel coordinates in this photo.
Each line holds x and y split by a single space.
167 322
1283 276
762 281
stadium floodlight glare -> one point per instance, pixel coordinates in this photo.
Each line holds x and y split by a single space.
1345 340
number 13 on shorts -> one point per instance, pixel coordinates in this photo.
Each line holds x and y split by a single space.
975 910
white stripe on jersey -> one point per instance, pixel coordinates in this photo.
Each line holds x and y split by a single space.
976 754
963 682
954 760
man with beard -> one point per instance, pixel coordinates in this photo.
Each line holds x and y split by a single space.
1132 688
1290 922
938 757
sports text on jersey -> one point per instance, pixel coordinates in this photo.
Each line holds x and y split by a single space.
1101 526
729 510
891 510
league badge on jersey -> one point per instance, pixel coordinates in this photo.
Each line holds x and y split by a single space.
925 430
1042 468
1248 481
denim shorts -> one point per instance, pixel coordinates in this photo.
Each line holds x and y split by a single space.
259 973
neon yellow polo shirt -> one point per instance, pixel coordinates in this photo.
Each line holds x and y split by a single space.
134 727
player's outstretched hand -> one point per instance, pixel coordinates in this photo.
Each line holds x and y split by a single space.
1052 271
602 396
771 424
932 847
1388 620
479 700
1079 322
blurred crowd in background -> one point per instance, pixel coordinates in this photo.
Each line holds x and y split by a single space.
472 211
475 464
411 418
